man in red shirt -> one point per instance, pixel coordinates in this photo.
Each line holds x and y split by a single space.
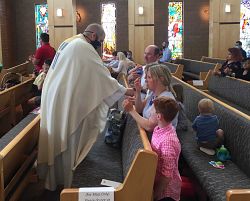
42 53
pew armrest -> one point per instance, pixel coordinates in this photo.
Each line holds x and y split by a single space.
179 71
203 75
238 194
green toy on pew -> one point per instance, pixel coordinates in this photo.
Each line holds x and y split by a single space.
223 154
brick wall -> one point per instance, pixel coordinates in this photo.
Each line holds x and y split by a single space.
8 36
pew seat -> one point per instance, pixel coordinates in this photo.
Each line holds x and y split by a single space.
134 166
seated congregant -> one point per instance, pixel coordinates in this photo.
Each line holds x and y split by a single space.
166 52
244 73
122 65
114 61
238 44
232 66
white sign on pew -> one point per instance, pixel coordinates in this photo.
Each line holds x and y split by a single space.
96 194
198 82
110 183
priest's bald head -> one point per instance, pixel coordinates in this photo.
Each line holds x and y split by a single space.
94 34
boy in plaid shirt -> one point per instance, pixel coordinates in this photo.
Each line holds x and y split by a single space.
167 186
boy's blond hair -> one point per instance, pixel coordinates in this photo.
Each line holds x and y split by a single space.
205 105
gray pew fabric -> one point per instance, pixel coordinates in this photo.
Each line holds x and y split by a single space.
102 162
172 67
10 135
215 181
131 143
237 139
233 90
105 162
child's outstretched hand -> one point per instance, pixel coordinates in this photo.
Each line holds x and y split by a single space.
127 105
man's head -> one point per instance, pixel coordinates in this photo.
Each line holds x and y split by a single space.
238 44
94 34
44 38
151 54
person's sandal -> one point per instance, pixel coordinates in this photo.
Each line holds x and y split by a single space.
210 152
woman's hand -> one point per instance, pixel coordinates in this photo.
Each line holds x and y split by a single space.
137 84
127 105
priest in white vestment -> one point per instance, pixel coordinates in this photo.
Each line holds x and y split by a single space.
77 93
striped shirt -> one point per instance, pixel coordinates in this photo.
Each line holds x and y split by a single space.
167 146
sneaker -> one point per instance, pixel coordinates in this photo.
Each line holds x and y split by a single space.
210 152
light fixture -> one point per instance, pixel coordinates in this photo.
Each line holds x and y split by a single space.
140 10
227 8
59 12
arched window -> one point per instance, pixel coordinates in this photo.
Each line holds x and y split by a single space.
109 24
41 21
175 28
245 25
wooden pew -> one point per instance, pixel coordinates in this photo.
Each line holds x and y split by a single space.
22 68
176 69
236 126
238 195
139 180
9 100
196 70
204 81
7 112
16 161
212 60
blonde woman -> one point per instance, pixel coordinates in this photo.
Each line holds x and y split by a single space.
122 65
158 80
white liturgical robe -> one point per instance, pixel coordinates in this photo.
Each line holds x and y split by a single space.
77 93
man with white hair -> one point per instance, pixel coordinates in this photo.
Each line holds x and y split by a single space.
77 93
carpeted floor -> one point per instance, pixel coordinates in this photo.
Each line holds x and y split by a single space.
36 192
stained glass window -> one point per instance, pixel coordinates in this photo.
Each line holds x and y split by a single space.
109 25
175 29
41 20
245 25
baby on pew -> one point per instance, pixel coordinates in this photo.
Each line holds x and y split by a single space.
38 83
208 135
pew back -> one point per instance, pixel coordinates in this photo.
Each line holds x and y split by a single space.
212 60
17 159
9 99
193 68
175 69
22 68
234 90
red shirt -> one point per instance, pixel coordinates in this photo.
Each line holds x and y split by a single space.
43 53
167 146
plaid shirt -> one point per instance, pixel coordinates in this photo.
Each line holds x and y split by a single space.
167 146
